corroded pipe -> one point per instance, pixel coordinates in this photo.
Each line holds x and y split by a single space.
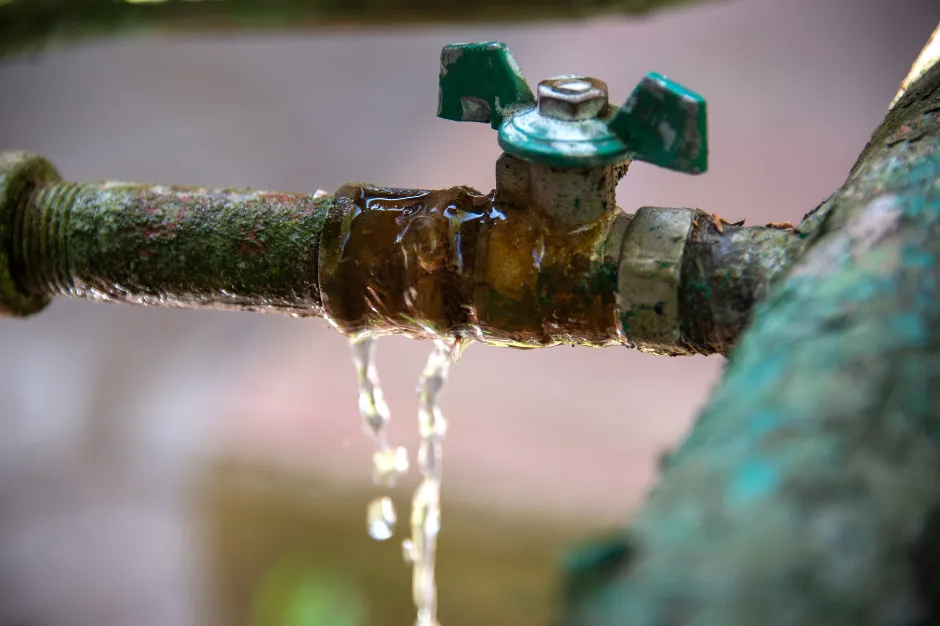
504 268
153 244
726 271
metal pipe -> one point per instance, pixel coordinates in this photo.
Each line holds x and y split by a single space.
154 244
498 268
726 271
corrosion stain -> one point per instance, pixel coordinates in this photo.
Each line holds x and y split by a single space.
282 198
718 223
151 232
253 245
458 262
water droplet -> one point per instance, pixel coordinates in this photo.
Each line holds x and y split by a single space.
388 464
372 407
408 552
425 619
381 518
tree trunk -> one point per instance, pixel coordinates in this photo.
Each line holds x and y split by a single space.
808 491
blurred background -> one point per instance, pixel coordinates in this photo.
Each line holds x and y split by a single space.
183 468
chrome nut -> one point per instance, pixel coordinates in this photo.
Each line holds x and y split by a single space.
572 97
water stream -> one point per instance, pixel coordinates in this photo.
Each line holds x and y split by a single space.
389 463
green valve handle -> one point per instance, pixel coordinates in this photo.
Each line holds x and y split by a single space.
571 123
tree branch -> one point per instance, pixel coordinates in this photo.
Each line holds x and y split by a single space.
28 24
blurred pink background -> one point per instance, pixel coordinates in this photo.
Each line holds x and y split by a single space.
111 413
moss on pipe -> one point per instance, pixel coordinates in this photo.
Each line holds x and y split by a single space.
163 245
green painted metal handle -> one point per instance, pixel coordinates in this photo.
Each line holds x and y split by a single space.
481 82
662 122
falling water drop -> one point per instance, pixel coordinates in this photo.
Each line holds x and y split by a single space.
372 407
381 519
388 463
408 551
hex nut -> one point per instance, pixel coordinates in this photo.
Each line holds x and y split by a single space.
572 98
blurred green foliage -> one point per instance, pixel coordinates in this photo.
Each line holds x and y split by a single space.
295 592
288 549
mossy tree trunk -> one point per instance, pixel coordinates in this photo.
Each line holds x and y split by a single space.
808 491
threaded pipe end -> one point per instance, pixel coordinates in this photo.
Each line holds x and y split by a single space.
40 246
21 174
